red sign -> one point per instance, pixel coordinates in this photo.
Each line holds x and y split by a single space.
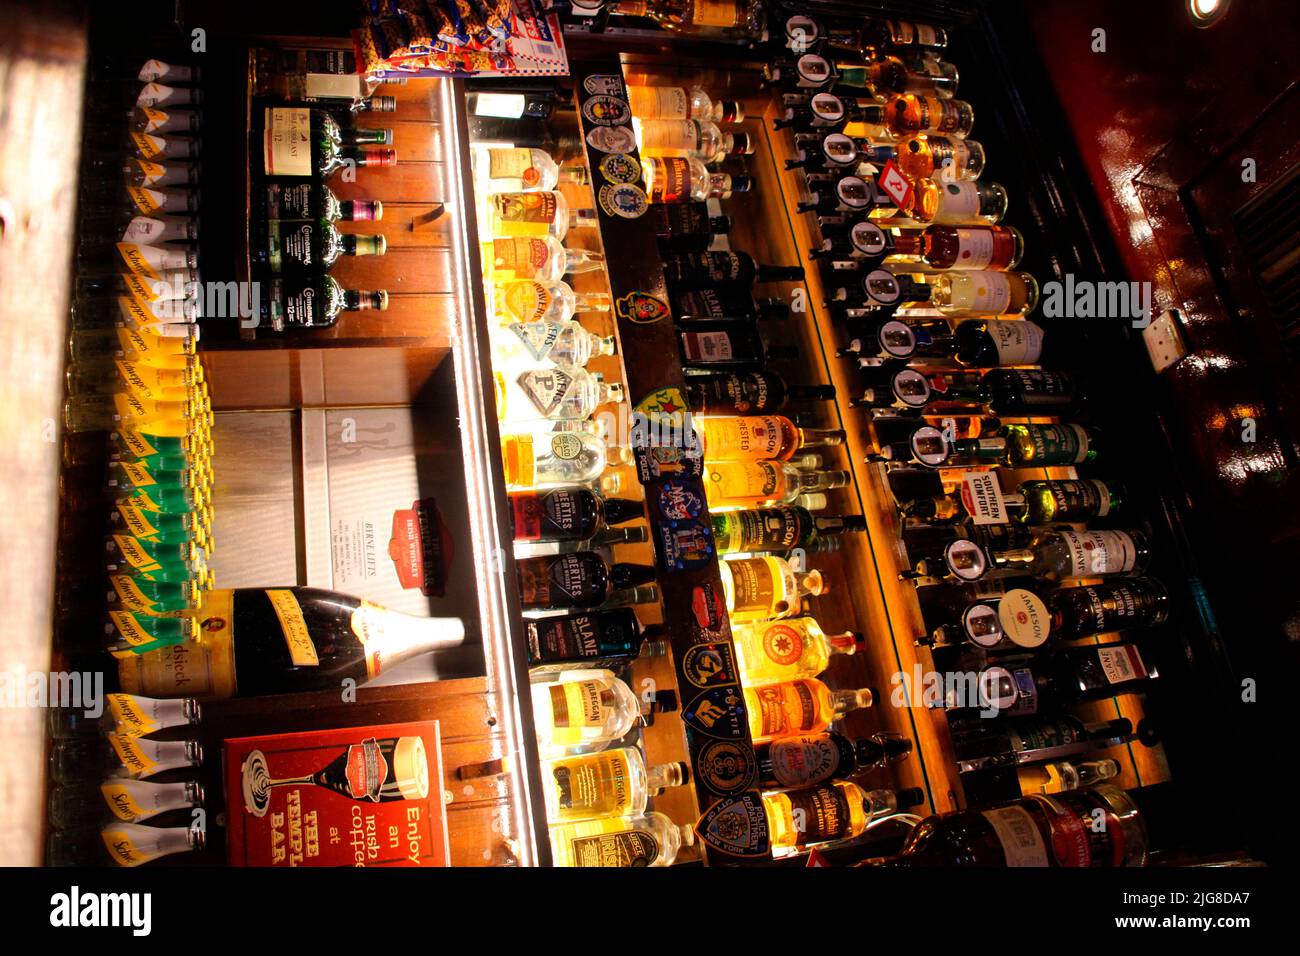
895 185
356 796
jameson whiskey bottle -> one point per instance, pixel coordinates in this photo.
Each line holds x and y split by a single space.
1034 446
1057 830
579 580
787 650
651 839
285 640
611 783
814 759
127 801
120 844
802 706
749 393
591 639
1060 500
577 715
760 438
778 529
798 819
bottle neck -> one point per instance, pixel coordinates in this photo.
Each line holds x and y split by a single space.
844 701
390 637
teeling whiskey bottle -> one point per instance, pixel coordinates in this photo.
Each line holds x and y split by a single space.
276 641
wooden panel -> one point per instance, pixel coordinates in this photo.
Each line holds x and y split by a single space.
410 269
407 225
42 53
407 181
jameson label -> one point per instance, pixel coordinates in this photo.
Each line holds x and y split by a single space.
751 436
981 495
1098 552
1079 499
769 529
1110 607
754 588
804 761
625 849
1059 444
523 256
1121 663
546 389
744 480
302 651
745 394
1024 618
1015 829
286 141
786 708
824 811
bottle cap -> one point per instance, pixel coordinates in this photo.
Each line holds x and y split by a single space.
665 702
377 300
719 225
378 156
814 501
742 184
846 643
362 210
383 104
370 245
654 649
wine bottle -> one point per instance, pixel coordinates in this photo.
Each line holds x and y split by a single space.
285 640
730 345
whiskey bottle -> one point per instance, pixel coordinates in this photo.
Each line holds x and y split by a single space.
808 71
728 345
673 103
846 195
962 203
310 144
748 393
310 247
760 437
75 758
1055 501
285 640
591 639
863 244
765 588
539 214
127 716
509 169
1015 392
933 447
701 139
996 248
312 302
887 35
778 529
705 268
1034 446
828 153
577 715
801 706
554 458
896 340
787 650
981 744
1040 830
542 258
932 156
916 73
120 844
1024 686
726 300
530 300
980 292
651 839
814 759
671 180
567 514
686 227
705 19
1058 554
1062 775
562 343
830 113
611 783
798 819
578 580
119 800
911 113
879 292
564 392
734 485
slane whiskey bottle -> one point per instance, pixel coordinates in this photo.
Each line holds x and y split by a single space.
285 640
591 639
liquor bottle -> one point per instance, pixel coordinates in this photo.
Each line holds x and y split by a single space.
651 839
808 71
765 588
286 640
579 580
964 203
119 224
530 300
1024 686
312 302
127 716
734 485
880 34
120 844
676 179
310 247
566 343
988 343
704 268
726 300
542 258
728 345
567 514
932 156
591 639
1058 554
863 245
611 783
910 113
562 392
1062 775
760 437
1003 391
508 169
787 649
1034 446
287 75
958 293
778 529
897 341
558 458
1054 501
880 292
798 819
846 195
981 744
802 706
127 801
725 185
721 20
731 144
970 248
75 758
577 715
310 144
748 393
941 448
686 227
828 112
886 75
685 137
814 759
543 213
804 33
679 103
1040 830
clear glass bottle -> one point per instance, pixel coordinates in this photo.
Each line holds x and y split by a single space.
802 706
585 711
610 783
561 392
542 213
671 102
648 840
559 343
528 300
1062 775
552 458
120 844
735 485
124 800
786 650
116 756
765 588
542 258
505 169
127 715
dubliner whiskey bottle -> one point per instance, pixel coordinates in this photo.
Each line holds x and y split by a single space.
285 640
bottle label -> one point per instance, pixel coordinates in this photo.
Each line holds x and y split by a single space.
538 338
553 515
534 208
295 244
1059 444
628 848
671 181
122 802
122 848
1036 388
547 389
959 200
770 529
131 629
743 482
1022 842
658 102
804 761
1024 618
372 626
974 248
566 446
564 639
1121 663
511 163
758 436
597 785
286 141
139 717
528 301
139 757
783 644
578 704
666 134
524 257
1098 552
708 347
293 627
825 814
135 554
981 495
755 589
1076 500
1018 342
716 13
786 709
